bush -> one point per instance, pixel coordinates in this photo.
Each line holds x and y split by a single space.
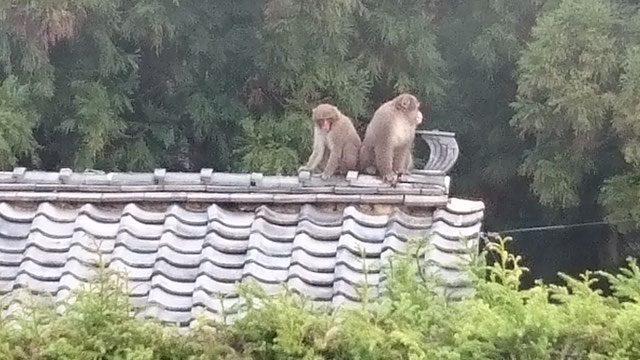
410 321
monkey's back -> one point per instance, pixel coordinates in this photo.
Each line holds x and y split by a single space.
379 125
347 131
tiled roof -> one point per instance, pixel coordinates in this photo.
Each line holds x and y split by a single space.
185 239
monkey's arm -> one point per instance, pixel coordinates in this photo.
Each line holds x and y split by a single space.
335 155
384 159
384 150
318 150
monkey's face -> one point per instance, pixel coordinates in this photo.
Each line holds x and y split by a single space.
323 123
324 116
410 107
418 117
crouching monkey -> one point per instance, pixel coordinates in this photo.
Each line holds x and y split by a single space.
388 140
335 132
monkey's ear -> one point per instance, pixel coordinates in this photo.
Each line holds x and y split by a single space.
403 102
336 112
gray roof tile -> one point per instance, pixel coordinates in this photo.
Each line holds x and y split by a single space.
130 178
228 179
294 198
18 173
23 187
36 177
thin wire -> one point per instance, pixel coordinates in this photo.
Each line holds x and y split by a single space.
557 227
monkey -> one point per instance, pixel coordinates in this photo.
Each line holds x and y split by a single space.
388 139
335 132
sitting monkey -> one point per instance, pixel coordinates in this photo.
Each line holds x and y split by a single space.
334 131
388 140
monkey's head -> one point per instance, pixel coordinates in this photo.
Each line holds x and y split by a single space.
324 116
409 106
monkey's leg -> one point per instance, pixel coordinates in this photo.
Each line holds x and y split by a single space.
350 157
366 160
402 160
384 162
332 163
409 166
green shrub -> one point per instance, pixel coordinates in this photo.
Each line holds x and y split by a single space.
409 321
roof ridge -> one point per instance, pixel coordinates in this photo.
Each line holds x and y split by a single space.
424 186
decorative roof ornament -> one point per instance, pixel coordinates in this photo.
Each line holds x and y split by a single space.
444 150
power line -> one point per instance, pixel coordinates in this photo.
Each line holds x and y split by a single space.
557 227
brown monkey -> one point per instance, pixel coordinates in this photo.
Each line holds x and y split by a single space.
388 140
335 132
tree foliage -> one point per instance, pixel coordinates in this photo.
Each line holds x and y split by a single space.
577 96
137 84
17 120
143 83
542 94
567 76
